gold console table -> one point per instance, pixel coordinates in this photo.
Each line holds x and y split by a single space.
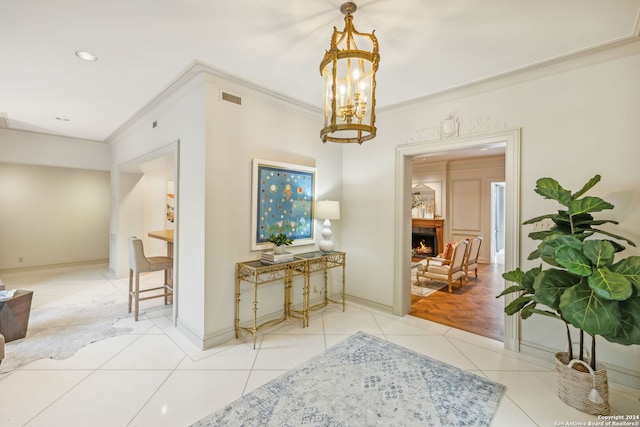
324 261
257 274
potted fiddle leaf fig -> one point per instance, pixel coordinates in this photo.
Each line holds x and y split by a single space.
279 240
585 283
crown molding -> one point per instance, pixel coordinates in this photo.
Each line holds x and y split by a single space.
20 132
195 69
618 48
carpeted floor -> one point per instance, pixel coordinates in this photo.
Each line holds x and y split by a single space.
59 332
365 380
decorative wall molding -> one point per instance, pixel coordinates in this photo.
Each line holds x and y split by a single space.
453 127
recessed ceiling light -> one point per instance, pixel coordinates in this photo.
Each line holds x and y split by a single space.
62 119
87 56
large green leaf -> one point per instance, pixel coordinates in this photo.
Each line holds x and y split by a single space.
549 188
609 285
550 284
548 247
574 261
593 181
629 331
599 252
629 268
528 310
514 276
516 305
510 290
542 312
523 278
588 204
538 219
584 220
541 235
585 310
562 222
529 278
592 222
615 236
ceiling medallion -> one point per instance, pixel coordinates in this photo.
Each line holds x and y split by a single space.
349 71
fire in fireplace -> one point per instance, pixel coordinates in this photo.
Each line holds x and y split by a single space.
424 242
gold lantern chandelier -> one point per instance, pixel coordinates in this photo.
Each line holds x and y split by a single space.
349 71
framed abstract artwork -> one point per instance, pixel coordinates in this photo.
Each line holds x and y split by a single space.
282 202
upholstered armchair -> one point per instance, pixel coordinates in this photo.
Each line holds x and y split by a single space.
472 259
449 272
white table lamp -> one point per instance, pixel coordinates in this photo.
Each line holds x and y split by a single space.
327 210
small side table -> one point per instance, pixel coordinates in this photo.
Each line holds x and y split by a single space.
14 315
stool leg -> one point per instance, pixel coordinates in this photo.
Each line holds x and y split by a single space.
130 287
166 288
137 296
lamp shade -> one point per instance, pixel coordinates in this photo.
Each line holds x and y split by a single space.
327 209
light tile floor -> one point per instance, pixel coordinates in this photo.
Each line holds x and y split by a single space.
155 377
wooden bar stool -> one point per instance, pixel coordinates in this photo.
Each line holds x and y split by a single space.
139 263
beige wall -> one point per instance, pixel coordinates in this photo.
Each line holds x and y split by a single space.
52 215
465 195
218 141
577 118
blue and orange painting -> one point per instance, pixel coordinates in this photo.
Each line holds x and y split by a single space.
285 203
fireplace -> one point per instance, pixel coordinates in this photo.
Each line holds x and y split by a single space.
424 242
427 237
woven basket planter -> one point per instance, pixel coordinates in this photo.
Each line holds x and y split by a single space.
581 387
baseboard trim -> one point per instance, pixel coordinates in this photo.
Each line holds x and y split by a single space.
61 265
371 304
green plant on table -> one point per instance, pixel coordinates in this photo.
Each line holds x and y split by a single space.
280 239
586 287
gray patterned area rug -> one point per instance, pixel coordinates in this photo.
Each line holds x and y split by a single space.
59 332
365 381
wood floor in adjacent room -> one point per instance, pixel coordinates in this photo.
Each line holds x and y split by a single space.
472 308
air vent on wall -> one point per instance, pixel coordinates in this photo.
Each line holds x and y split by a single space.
231 98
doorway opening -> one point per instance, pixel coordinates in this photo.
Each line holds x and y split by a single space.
404 156
471 211
148 204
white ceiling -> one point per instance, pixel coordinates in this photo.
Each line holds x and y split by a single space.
426 46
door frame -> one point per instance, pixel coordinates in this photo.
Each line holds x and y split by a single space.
402 214
494 186
134 166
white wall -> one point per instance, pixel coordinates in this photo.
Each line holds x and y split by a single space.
263 127
38 205
52 215
218 141
179 117
50 150
578 118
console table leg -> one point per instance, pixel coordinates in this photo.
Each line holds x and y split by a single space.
343 287
255 313
237 323
306 291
